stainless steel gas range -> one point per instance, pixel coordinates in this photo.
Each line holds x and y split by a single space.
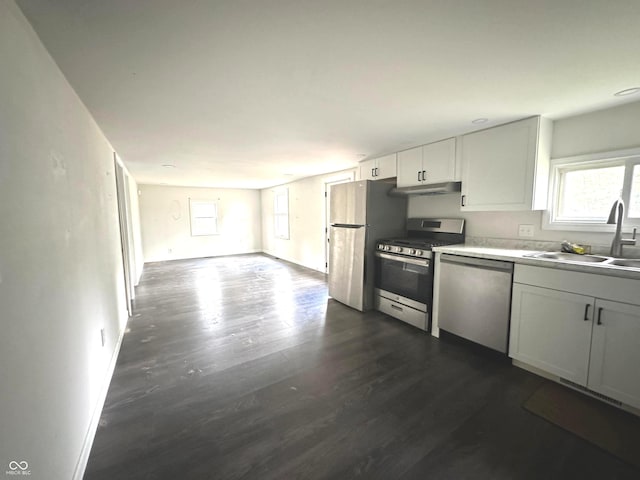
404 268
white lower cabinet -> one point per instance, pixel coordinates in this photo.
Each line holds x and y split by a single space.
615 352
591 341
548 331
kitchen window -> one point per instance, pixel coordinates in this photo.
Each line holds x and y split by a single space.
204 217
281 213
583 190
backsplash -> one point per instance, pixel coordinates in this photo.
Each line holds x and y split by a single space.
542 245
500 229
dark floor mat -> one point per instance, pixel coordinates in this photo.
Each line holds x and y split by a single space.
610 428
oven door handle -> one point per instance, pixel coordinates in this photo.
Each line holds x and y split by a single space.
413 261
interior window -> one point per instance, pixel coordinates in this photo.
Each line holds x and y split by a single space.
634 200
281 213
204 217
586 194
583 191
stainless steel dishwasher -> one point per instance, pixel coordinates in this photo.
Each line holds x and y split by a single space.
474 300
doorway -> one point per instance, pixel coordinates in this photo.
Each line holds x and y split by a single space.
126 232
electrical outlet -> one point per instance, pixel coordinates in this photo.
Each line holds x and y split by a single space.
525 230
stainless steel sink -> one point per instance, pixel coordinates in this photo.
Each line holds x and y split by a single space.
572 257
625 262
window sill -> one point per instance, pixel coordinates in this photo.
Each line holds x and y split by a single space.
547 224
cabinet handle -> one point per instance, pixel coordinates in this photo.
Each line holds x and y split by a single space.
424 175
419 173
600 315
377 174
462 199
586 312
395 307
372 173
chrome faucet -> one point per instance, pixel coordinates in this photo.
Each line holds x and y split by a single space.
617 210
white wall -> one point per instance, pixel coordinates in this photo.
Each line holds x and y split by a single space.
306 243
166 231
605 130
61 277
601 131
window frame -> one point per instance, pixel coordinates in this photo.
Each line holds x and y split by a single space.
193 218
628 158
279 193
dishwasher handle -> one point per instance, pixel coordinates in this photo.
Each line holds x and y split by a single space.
477 262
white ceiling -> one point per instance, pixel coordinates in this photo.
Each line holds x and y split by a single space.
253 93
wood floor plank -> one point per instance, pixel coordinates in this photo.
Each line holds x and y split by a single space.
242 368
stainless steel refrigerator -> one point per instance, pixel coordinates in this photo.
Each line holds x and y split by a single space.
360 213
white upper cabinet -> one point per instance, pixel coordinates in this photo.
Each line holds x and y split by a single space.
387 167
431 163
506 167
439 161
367 169
378 168
410 167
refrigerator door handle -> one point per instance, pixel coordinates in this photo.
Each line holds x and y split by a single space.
347 225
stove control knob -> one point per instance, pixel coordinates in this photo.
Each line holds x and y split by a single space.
419 253
387 247
399 249
412 251
380 246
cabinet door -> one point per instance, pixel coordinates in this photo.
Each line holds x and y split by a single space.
386 167
498 166
615 352
551 330
439 161
410 167
367 170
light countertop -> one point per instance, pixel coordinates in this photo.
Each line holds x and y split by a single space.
525 257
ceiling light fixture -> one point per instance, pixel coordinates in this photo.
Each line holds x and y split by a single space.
168 165
628 91
480 120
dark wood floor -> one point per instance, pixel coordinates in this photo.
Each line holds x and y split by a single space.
240 368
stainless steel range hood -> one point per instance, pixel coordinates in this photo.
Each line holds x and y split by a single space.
429 189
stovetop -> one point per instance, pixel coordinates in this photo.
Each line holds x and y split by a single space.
424 234
415 242
410 246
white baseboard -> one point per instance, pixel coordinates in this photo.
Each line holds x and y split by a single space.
191 257
290 260
81 465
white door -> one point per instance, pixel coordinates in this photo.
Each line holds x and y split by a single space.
615 355
125 233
